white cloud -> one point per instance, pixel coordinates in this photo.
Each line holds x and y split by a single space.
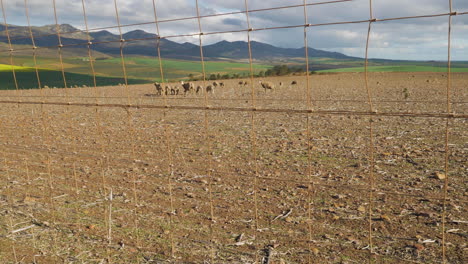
395 39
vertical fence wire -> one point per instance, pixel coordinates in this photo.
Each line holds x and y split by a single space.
60 51
310 186
67 96
44 131
208 140
104 155
28 196
9 197
447 135
371 135
9 185
167 133
253 134
122 57
10 47
130 129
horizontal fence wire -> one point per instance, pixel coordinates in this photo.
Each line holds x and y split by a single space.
248 109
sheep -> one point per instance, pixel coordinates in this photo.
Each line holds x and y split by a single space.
171 90
158 87
188 86
210 89
199 88
243 83
215 84
281 84
221 84
267 85
162 89
293 83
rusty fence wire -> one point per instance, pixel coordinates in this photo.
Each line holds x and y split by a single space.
82 182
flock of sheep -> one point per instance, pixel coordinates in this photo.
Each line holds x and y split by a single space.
189 87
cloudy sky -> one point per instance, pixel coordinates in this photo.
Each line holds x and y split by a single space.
418 39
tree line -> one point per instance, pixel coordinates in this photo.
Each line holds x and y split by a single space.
277 70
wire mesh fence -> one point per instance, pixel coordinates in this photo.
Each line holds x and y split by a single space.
306 168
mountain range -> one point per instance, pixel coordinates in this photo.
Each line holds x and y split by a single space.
106 43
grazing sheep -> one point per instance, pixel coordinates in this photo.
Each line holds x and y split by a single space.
198 89
293 83
158 87
173 90
210 89
188 86
215 84
243 83
281 84
267 85
168 90
221 84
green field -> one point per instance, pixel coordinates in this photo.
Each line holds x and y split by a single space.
143 68
51 78
109 71
404 68
9 68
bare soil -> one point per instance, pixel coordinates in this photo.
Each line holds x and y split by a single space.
111 184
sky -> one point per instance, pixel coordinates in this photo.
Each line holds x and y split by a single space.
412 39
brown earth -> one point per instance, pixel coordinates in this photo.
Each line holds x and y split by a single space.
110 184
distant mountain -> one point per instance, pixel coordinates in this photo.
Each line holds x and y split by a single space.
144 44
239 49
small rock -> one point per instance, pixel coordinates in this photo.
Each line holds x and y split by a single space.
440 176
361 209
29 200
353 240
418 247
424 214
315 251
385 218
239 237
339 196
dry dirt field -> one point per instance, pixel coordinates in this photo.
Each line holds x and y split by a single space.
108 184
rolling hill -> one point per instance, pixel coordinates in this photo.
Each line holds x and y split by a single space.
144 44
